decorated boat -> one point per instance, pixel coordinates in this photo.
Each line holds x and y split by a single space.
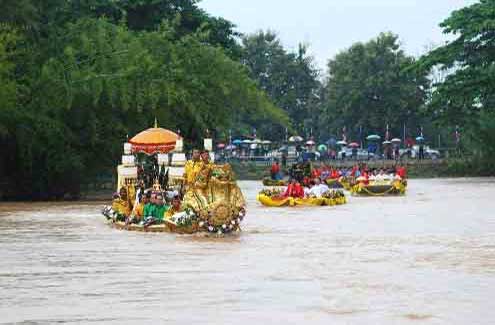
267 181
274 198
210 199
380 188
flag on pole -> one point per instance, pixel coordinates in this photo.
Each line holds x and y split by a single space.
387 134
457 135
344 136
361 136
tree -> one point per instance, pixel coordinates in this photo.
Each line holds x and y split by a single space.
369 87
466 96
290 79
73 90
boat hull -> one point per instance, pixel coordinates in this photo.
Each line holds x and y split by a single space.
290 201
166 227
395 189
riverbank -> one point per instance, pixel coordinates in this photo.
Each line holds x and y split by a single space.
439 168
102 188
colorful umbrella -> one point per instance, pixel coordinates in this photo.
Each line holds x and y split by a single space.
420 139
310 143
231 147
237 141
387 142
221 145
342 143
373 137
396 140
295 138
322 147
354 144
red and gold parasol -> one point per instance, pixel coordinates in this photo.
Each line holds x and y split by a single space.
154 140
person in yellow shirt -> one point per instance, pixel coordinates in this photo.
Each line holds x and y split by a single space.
192 168
176 207
138 211
121 203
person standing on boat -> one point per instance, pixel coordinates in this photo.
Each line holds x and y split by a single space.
193 167
205 158
275 171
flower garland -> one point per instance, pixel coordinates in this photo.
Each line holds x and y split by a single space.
112 215
333 194
225 228
184 219
271 192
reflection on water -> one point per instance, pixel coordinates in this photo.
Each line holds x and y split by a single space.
428 258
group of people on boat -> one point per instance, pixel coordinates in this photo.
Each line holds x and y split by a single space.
304 173
315 188
147 206
136 204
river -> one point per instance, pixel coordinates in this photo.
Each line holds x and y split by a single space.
426 258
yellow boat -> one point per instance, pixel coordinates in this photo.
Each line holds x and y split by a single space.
291 201
380 189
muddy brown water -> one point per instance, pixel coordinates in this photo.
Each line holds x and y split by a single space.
427 258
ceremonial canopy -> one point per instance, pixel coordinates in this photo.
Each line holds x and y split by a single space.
154 140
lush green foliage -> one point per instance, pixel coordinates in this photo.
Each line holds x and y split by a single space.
290 79
369 87
74 86
466 97
77 76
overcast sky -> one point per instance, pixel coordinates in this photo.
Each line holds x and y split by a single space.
329 26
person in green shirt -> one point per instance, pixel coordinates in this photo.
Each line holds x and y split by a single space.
149 207
154 214
160 209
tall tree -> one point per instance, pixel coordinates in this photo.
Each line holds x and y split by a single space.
290 79
466 96
74 87
368 86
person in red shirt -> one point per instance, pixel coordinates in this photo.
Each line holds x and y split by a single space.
366 177
334 174
275 170
294 189
401 171
315 173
